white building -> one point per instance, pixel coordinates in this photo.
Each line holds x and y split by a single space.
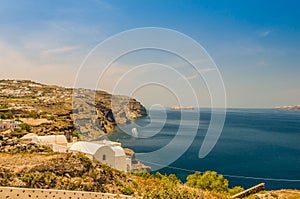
51 139
9 124
108 153
58 143
28 137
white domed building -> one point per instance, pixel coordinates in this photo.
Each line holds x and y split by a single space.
106 152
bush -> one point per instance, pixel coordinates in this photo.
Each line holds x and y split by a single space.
76 134
18 133
143 174
209 180
33 114
40 180
85 161
6 115
25 127
235 190
127 190
167 178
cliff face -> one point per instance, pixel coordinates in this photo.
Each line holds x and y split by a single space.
97 113
91 113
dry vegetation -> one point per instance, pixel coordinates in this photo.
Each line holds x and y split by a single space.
76 172
58 110
276 194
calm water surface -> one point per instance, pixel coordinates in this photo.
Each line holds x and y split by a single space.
260 143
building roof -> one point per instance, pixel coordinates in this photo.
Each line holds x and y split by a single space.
85 147
92 148
29 136
119 151
50 139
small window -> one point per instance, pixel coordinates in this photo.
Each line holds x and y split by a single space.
103 157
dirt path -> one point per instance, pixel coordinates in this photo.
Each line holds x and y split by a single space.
34 122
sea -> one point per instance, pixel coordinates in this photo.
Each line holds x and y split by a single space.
255 146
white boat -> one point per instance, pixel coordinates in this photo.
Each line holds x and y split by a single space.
134 132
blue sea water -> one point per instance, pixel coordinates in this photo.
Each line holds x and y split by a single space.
261 143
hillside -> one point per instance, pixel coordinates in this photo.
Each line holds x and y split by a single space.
92 111
45 109
76 172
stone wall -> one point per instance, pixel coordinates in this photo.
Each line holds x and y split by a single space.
24 193
252 190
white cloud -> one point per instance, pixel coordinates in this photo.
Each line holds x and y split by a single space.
203 70
192 77
64 49
264 33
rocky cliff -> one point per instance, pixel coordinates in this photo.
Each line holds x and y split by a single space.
98 113
91 113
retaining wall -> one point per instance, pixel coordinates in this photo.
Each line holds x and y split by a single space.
252 190
24 193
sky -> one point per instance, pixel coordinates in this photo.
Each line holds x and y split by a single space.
255 46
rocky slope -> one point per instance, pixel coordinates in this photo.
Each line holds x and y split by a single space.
77 172
91 113
274 194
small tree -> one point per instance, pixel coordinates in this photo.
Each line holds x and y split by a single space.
235 190
209 180
192 179
25 127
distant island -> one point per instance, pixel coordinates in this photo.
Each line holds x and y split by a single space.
292 107
182 108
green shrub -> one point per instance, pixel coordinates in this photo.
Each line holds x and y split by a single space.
235 190
167 178
18 133
40 180
6 115
25 127
85 160
127 190
76 134
28 177
143 174
209 180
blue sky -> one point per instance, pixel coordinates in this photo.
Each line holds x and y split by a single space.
255 44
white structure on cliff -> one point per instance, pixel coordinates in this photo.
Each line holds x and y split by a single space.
50 139
9 124
110 153
107 152
58 143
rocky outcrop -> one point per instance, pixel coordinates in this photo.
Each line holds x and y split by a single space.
136 166
10 144
294 108
99 113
